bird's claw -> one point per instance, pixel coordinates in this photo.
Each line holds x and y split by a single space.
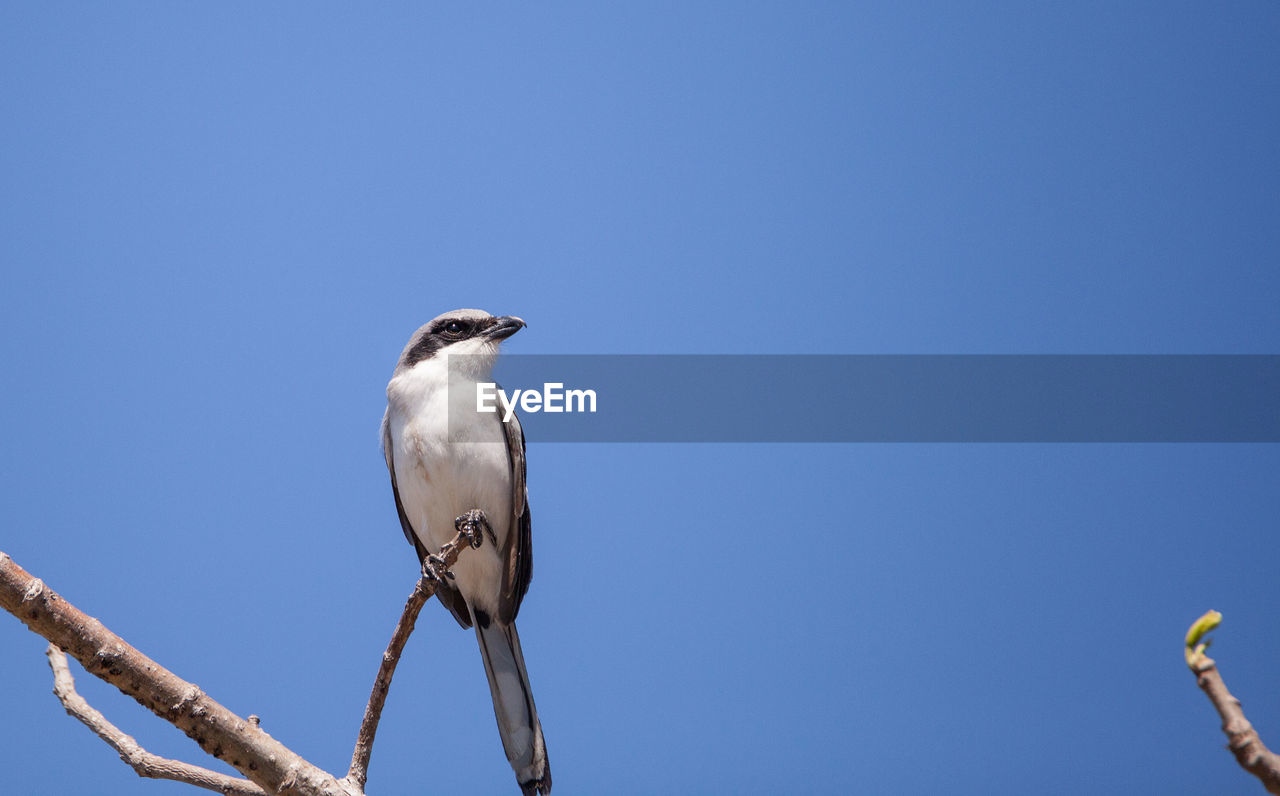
474 525
433 567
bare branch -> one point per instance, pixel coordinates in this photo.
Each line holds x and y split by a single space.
220 732
433 569
1242 738
268 764
139 759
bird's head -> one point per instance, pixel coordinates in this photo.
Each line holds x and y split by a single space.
472 335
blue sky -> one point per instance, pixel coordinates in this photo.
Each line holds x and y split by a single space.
220 224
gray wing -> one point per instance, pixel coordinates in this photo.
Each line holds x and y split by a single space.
517 551
448 596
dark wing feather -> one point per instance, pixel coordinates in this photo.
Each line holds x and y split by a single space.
517 552
446 594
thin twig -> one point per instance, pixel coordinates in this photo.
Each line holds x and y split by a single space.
1242 738
432 572
139 759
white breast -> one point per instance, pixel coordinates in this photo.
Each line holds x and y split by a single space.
440 480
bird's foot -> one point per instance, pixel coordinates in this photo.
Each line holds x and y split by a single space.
434 568
474 525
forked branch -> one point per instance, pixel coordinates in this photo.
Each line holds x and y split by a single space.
139 759
270 767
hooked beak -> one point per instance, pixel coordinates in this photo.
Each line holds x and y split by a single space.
504 327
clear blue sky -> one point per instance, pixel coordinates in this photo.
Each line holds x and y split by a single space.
220 223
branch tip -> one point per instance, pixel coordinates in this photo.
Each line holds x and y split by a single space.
1204 624
1242 739
1194 652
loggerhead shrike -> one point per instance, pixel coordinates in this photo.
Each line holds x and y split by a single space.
436 481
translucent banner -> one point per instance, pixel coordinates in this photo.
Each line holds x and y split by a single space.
877 398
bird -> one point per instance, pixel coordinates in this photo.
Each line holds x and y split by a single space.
438 478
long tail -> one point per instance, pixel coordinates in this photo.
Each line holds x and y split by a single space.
513 705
